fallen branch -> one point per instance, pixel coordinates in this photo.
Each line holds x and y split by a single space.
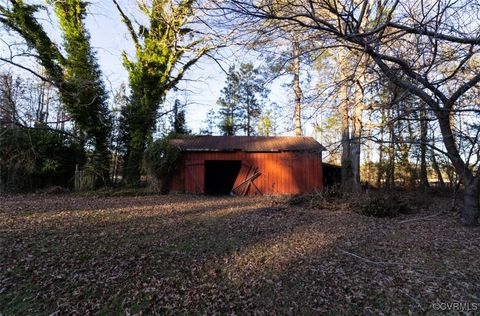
420 218
382 263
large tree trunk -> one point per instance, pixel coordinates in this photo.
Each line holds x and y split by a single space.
101 162
380 165
390 170
355 148
471 208
139 131
470 212
346 159
296 88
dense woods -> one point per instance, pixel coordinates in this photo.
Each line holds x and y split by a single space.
390 88
232 157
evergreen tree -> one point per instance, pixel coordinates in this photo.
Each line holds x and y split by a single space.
252 94
76 75
179 125
210 123
159 49
242 99
229 104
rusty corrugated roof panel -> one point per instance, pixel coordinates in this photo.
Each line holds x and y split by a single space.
248 143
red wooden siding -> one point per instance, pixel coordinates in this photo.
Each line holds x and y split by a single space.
281 172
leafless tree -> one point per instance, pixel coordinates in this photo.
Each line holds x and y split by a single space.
429 49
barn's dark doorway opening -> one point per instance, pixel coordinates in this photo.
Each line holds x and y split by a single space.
220 175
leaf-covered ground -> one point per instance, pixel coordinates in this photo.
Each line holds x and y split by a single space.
199 255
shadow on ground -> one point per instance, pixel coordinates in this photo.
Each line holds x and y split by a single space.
188 254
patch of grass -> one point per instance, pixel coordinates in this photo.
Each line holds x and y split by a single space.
22 300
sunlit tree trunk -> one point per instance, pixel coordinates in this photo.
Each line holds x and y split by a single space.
346 160
296 87
355 143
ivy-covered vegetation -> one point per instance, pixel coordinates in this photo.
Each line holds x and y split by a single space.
158 50
160 162
84 91
164 50
76 75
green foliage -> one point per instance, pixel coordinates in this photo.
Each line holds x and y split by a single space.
210 123
242 100
229 104
160 162
179 124
77 76
33 158
265 124
158 50
20 19
85 95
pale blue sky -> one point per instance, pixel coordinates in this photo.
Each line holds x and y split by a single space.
203 82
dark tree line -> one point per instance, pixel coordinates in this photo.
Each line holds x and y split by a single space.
165 50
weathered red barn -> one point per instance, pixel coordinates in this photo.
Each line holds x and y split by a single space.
248 165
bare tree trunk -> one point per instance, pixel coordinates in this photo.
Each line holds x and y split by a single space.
390 172
346 160
248 120
355 148
296 87
380 151
437 170
423 148
471 209
470 212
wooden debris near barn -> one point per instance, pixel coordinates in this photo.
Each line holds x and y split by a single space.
248 174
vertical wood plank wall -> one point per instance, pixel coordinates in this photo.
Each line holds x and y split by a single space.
281 172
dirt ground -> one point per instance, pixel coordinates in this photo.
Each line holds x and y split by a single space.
69 254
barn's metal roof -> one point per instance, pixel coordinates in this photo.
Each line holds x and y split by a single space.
248 143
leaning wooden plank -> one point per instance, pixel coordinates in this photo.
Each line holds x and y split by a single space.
251 178
256 188
243 174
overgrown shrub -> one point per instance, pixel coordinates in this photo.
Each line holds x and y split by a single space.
317 199
160 163
382 206
36 158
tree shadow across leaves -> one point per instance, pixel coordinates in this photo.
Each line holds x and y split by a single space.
222 255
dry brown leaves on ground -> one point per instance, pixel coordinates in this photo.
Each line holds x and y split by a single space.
75 255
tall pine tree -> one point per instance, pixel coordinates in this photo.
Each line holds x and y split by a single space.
242 100
229 104
178 121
